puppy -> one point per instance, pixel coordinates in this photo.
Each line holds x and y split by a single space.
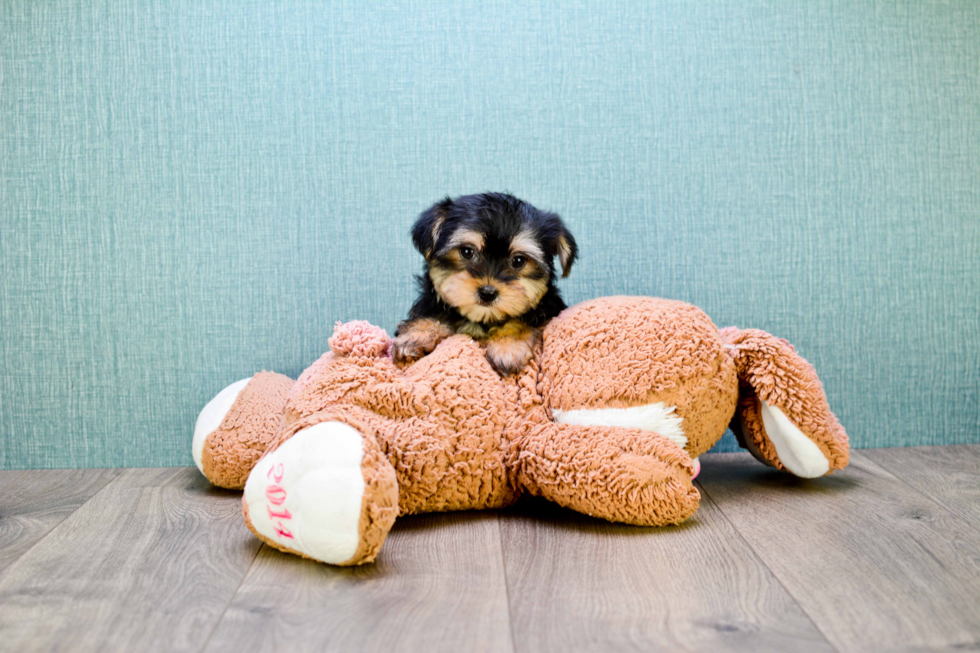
489 273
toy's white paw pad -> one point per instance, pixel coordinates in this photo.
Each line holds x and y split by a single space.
211 417
799 454
307 494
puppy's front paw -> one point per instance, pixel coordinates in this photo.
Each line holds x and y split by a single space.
417 339
509 356
408 349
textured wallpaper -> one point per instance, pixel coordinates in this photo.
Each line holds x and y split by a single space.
191 192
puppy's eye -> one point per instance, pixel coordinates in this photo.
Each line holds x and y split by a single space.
518 262
466 252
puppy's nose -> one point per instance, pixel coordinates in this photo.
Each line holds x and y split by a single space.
487 293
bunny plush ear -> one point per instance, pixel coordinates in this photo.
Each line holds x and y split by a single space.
783 417
425 231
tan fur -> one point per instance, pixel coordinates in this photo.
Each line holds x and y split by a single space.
564 254
436 228
463 237
449 433
534 290
526 243
419 338
459 289
511 346
439 275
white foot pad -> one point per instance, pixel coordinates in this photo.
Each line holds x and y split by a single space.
211 417
307 494
799 454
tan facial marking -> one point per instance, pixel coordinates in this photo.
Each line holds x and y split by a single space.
460 290
534 289
438 275
466 237
481 313
457 288
513 299
526 242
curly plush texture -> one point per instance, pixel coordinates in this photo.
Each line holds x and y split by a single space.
771 370
449 433
622 475
359 338
448 427
231 451
618 352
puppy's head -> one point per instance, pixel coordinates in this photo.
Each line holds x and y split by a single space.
491 256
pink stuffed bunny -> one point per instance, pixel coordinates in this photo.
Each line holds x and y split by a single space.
608 419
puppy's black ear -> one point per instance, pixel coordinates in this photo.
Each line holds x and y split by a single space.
567 252
425 231
563 244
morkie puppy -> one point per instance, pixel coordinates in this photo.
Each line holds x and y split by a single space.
489 274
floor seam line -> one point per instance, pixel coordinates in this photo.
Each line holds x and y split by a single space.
768 568
927 497
47 534
503 566
221 617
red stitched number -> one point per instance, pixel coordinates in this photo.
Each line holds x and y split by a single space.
279 515
276 495
275 473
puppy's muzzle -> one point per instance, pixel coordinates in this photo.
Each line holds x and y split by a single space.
487 294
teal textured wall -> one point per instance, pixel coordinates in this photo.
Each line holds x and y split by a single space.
194 191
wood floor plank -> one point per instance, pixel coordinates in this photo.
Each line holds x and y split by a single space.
875 564
187 477
149 563
34 501
948 475
438 585
582 584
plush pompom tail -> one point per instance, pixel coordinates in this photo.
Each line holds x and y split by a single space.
360 338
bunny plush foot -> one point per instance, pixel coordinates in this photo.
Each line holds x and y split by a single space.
235 428
326 493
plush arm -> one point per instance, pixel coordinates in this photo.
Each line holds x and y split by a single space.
783 417
620 474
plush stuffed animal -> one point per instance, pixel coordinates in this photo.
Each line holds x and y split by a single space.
608 419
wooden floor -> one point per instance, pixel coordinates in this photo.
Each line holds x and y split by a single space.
882 556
